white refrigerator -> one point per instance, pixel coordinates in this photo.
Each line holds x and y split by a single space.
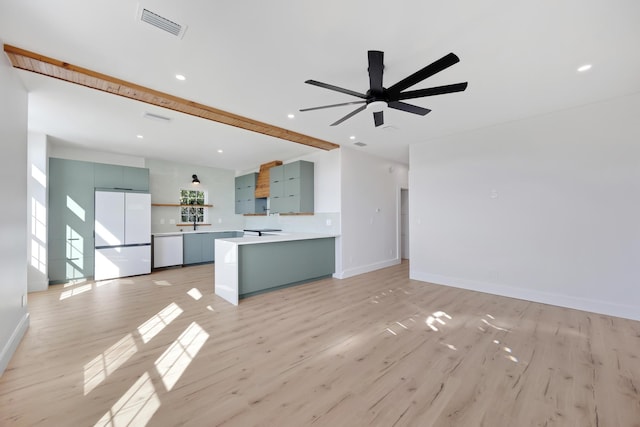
122 234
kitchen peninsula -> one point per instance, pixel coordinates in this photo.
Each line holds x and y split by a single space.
250 265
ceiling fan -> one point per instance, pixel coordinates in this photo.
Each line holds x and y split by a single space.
378 97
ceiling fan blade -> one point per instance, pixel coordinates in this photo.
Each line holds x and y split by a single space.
403 106
378 118
428 71
336 88
439 90
376 66
348 116
332 105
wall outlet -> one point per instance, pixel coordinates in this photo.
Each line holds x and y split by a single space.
172 221
219 220
24 300
328 222
161 220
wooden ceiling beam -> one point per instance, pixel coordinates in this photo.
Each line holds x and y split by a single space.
34 62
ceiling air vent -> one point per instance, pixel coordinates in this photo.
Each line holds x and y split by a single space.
360 144
161 22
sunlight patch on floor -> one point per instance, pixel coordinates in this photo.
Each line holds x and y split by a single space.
162 282
75 291
195 293
436 318
486 322
103 365
135 407
158 322
175 360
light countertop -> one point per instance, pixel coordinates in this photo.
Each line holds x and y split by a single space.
180 233
276 237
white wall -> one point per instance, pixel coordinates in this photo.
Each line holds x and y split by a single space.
168 178
370 202
14 318
545 209
67 152
37 195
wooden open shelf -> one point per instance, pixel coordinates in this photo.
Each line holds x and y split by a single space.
181 206
282 214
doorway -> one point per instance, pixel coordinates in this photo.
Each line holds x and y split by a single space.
404 223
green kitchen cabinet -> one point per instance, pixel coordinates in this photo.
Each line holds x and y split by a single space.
246 202
71 219
192 248
208 247
71 215
198 248
121 177
291 188
273 265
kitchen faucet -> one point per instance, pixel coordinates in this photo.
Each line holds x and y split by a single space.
194 223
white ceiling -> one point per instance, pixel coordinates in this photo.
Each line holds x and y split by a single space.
252 58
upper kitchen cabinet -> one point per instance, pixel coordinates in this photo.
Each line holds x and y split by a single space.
246 201
121 177
291 188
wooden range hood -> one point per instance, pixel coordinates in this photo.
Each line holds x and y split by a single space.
40 64
263 183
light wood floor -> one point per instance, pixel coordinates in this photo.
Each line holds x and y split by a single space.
373 350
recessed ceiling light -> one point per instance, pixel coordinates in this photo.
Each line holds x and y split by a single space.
220 151
584 68
180 77
291 116
139 136
352 137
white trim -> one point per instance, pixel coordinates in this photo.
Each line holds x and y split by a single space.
12 344
366 268
567 301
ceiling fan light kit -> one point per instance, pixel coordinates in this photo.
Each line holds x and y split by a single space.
376 106
378 98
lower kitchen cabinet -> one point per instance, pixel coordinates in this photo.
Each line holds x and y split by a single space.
167 251
198 248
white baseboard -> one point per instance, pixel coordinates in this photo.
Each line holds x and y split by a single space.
11 346
567 301
366 268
